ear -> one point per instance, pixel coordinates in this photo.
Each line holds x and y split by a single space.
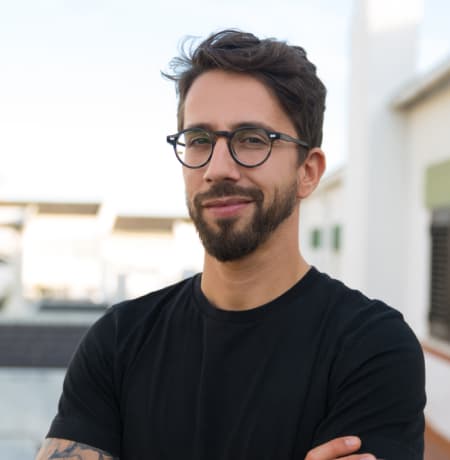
310 172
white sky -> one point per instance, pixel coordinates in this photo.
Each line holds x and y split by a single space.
84 111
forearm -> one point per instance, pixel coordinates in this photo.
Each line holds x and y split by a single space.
54 448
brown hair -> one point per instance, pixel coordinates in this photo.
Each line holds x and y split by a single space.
282 67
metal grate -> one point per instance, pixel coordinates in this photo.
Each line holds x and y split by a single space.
439 315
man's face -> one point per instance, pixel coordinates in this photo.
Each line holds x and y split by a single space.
237 209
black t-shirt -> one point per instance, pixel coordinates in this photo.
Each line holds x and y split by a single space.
168 376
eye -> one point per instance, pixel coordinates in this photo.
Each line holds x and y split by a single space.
199 140
196 139
252 138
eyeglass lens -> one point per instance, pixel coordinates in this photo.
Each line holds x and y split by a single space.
250 146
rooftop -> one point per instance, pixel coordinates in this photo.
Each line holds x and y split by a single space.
422 86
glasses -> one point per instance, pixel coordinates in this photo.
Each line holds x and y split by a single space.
249 146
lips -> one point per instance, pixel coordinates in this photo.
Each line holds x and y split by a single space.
226 207
224 202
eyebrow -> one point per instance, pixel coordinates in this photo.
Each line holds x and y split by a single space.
234 126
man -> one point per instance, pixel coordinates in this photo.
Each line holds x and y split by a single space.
260 356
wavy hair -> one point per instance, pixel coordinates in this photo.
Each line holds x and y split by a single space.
285 69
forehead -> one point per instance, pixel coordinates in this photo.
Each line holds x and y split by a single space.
222 100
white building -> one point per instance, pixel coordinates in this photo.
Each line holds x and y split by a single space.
88 252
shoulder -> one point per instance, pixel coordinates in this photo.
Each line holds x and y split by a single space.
349 308
135 312
132 320
361 328
114 340
369 334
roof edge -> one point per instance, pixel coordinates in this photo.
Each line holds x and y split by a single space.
420 87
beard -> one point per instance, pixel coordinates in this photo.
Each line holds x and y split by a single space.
226 243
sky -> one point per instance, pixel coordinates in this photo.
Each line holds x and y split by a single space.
84 111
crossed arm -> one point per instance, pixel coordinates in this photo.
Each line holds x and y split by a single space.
54 448
339 448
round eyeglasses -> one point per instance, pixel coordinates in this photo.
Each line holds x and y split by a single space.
249 146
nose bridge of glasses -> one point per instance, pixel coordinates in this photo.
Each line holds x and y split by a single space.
227 135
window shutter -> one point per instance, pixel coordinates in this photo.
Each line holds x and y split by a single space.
439 315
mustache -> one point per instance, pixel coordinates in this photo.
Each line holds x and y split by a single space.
223 189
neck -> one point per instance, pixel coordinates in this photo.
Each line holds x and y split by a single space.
256 279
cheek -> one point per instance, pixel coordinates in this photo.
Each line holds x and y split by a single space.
192 182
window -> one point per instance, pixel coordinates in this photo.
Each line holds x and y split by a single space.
316 238
336 237
439 315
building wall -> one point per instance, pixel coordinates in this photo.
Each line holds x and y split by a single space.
323 214
136 263
438 393
428 143
60 256
384 42
85 257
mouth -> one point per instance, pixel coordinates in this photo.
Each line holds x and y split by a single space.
226 207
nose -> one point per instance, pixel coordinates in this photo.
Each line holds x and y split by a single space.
222 165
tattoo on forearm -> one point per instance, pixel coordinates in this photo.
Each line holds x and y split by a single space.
75 450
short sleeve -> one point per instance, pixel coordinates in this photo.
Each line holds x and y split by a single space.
88 410
376 388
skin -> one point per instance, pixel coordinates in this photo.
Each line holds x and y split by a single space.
54 448
220 100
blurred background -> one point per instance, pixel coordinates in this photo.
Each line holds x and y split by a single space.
91 197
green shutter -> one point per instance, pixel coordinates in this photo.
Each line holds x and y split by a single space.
316 238
437 185
336 237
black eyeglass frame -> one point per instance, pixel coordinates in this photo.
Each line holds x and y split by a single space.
172 139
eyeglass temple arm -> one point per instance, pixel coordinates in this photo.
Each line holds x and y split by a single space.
286 137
